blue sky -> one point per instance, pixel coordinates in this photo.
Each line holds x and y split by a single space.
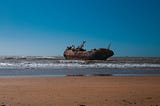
46 27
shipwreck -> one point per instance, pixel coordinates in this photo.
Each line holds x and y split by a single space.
79 53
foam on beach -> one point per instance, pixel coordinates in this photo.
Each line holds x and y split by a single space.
25 64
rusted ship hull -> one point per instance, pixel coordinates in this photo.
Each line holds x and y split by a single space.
88 55
81 54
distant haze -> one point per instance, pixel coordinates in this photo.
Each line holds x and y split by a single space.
47 27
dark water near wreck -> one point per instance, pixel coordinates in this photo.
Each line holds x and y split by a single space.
59 67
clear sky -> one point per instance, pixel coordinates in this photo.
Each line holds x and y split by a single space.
46 27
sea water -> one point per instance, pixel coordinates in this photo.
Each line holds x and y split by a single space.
34 66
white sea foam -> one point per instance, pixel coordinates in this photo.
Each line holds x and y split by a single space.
72 61
73 64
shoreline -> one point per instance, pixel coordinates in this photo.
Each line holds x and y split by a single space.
79 75
80 91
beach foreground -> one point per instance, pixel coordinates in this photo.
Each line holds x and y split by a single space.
80 91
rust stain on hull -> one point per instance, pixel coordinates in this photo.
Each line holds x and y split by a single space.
81 54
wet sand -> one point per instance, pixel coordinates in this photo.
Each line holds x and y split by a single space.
80 91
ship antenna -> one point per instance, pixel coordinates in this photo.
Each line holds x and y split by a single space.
82 45
109 46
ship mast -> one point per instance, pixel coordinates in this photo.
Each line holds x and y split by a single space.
109 46
82 45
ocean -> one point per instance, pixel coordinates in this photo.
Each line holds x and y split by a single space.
37 66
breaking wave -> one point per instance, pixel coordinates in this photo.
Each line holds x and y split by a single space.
59 63
76 65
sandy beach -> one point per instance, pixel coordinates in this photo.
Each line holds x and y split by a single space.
80 91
